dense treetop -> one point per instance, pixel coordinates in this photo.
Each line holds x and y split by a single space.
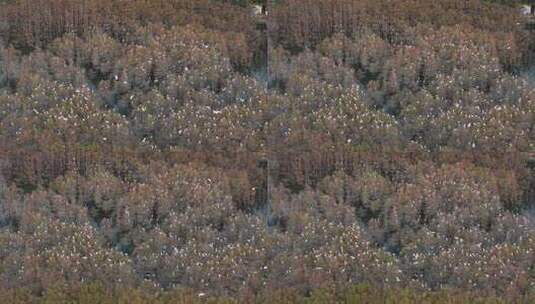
162 150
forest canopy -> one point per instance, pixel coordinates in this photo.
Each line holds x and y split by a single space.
193 151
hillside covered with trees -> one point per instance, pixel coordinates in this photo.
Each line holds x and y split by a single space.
333 151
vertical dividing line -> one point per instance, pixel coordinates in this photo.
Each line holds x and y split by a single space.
268 17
